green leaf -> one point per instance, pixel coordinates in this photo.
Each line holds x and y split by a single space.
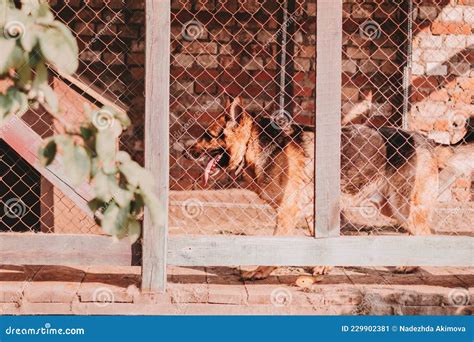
110 218
24 75
11 56
44 14
123 157
41 75
134 230
153 205
48 152
59 47
18 101
101 187
123 119
5 105
86 132
146 182
77 163
29 6
115 219
132 172
50 99
30 37
137 205
105 148
96 204
123 197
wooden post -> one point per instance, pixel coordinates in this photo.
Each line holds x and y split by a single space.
157 140
328 117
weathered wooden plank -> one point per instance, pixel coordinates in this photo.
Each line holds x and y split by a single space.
340 251
157 139
26 143
328 117
101 96
63 249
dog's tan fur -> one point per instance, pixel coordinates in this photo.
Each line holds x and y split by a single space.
395 170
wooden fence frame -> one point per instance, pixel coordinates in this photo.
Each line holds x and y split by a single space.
160 250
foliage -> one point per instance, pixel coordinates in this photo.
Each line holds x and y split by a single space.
33 41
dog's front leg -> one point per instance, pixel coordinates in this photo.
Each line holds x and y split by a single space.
286 223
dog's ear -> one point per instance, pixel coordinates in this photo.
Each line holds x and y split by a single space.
236 109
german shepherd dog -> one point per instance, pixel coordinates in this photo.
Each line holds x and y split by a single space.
394 170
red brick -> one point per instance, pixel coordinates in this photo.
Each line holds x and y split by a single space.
450 28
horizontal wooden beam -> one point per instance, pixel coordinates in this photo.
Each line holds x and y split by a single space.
63 249
101 96
340 251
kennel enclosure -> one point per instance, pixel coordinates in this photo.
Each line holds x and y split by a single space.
338 79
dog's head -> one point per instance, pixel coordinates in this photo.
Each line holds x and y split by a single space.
223 145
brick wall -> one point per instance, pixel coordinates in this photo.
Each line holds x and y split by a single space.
237 53
111 38
443 73
442 96
238 50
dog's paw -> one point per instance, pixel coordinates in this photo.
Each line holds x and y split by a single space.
259 273
406 269
321 270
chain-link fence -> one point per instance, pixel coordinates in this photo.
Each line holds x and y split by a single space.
409 64
110 35
263 52
406 65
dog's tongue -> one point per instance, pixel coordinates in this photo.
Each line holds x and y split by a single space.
208 169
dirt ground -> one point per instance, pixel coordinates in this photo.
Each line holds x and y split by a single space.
242 212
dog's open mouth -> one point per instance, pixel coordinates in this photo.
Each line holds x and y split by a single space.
212 168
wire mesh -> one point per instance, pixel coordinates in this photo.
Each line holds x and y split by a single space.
409 65
110 35
261 51
406 64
